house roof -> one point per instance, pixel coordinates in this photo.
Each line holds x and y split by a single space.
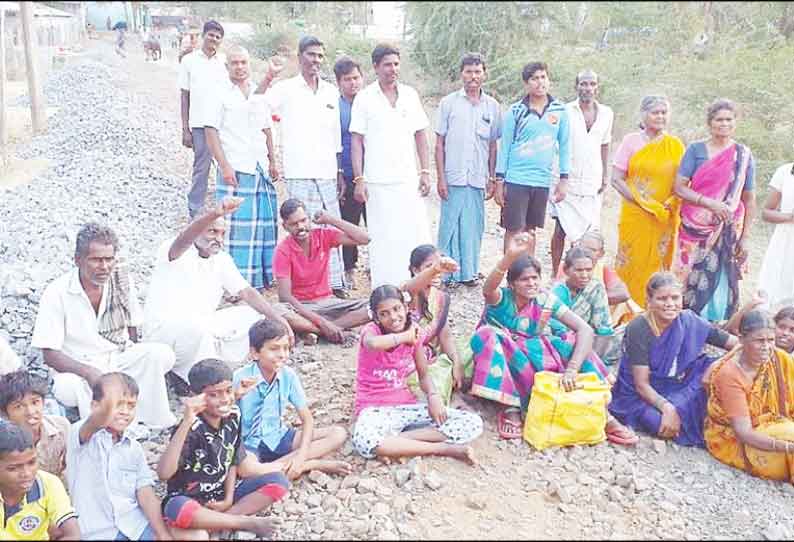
39 10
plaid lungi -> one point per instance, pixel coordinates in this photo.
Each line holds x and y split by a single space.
251 234
319 194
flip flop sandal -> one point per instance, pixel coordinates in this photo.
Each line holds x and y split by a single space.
622 435
503 422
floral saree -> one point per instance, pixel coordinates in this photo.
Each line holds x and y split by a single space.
510 346
647 228
705 260
771 404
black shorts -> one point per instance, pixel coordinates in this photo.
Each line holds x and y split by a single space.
525 207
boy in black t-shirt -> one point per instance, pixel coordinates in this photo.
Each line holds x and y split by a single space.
213 483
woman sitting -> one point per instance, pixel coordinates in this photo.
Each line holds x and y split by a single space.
586 297
429 309
514 341
751 404
659 387
784 322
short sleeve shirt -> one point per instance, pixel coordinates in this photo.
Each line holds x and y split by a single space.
189 286
51 448
207 455
732 389
308 274
203 77
388 132
45 505
586 164
697 154
639 340
262 408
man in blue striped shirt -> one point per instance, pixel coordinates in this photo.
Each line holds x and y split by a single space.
534 133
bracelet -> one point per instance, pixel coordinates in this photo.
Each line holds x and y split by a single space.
359 179
421 171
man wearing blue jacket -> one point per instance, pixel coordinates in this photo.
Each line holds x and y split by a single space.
534 134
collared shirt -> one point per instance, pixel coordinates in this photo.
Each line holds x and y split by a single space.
310 131
388 132
587 171
189 286
241 122
45 505
468 131
308 273
206 457
531 142
66 321
202 76
345 110
104 477
268 401
51 447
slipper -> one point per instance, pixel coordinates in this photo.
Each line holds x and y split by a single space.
507 428
622 435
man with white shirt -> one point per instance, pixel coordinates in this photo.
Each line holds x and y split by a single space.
590 135
240 140
310 139
190 276
202 73
389 124
87 326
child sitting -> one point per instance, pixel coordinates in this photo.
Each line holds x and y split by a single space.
22 402
213 483
110 482
272 386
390 421
35 503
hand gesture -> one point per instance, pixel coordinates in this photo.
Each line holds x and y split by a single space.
229 176
446 264
273 171
759 298
228 205
275 65
246 385
194 406
436 409
671 422
321 217
443 189
187 138
411 335
519 244
108 406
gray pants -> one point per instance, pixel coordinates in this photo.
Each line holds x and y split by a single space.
201 172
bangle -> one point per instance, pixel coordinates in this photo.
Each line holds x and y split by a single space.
660 402
358 180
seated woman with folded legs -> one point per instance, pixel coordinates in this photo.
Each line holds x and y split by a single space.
514 341
750 421
659 388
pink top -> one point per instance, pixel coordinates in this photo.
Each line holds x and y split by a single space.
631 144
381 377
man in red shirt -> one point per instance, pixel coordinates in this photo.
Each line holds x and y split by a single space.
301 267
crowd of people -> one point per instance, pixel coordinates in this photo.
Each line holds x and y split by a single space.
349 153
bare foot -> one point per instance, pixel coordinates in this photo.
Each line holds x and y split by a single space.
462 453
263 527
329 466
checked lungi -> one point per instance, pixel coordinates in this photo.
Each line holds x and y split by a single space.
251 234
319 194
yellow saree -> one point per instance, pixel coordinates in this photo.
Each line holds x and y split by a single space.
647 229
764 401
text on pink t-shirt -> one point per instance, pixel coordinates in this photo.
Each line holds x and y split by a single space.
309 274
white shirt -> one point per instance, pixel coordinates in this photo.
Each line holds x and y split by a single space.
66 320
190 286
586 168
241 122
311 133
202 76
389 143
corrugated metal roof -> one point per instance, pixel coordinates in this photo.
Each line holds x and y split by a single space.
40 10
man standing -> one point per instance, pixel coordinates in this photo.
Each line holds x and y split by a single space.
531 130
389 123
87 326
469 124
311 139
240 140
348 79
190 275
301 266
591 134
202 74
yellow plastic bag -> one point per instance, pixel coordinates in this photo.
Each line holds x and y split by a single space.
556 417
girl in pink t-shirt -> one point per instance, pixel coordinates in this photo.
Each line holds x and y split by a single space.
390 421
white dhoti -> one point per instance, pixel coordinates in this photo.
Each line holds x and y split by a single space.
146 363
577 214
397 223
224 336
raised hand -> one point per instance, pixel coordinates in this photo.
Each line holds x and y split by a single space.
228 205
246 385
275 65
321 217
194 406
519 244
447 265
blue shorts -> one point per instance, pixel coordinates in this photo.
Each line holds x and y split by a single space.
266 455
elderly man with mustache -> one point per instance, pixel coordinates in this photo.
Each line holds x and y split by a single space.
190 276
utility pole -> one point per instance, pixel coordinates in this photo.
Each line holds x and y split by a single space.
3 93
37 111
